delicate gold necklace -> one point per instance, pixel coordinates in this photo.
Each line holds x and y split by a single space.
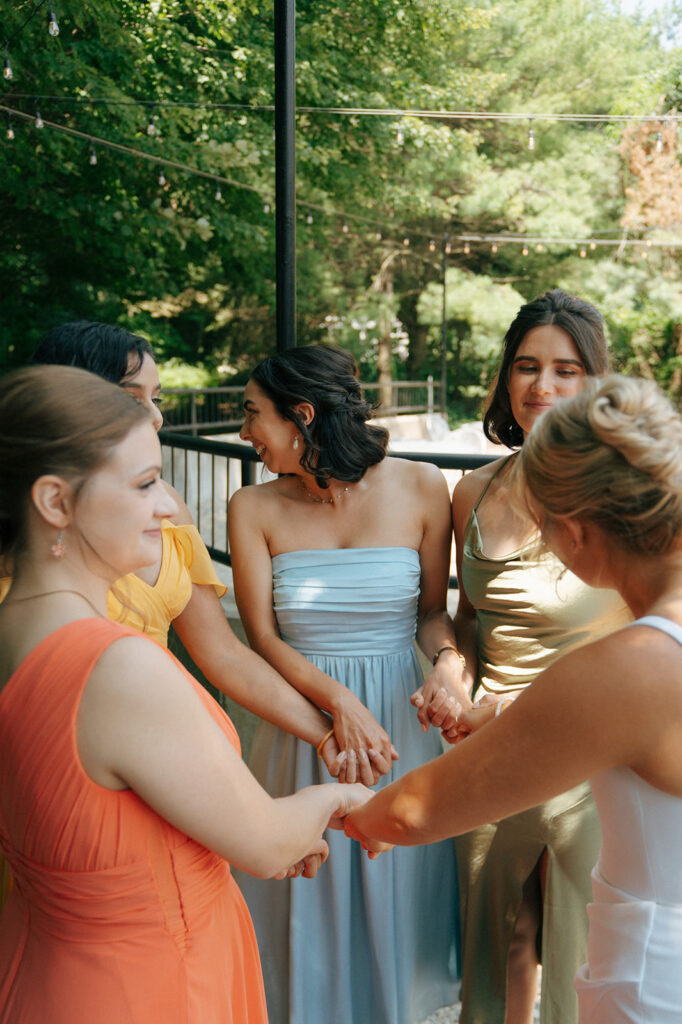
323 501
47 593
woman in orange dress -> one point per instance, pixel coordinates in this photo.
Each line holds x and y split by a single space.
122 793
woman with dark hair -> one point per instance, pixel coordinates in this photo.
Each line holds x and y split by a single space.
603 481
524 881
337 564
123 798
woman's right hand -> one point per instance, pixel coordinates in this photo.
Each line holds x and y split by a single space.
366 748
351 796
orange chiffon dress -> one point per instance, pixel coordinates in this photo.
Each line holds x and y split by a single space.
115 916
151 609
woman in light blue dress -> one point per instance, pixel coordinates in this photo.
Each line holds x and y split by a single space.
338 565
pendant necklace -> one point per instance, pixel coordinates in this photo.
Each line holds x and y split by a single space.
323 501
47 593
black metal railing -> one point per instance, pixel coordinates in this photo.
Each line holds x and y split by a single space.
209 410
206 473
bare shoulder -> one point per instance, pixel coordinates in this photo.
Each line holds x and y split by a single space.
135 668
469 489
423 475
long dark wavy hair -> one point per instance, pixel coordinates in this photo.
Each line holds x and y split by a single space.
579 319
99 348
338 443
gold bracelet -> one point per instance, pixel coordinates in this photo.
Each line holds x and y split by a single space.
324 740
449 647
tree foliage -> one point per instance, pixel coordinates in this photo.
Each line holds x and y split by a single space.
379 196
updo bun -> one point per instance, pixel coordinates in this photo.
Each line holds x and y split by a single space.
611 455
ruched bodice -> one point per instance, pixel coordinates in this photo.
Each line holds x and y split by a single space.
363 941
347 601
115 915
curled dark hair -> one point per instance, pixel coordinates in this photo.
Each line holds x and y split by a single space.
99 348
579 319
55 420
339 443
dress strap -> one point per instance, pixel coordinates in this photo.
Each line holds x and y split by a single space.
502 463
673 629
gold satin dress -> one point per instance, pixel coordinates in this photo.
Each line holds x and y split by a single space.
151 609
530 610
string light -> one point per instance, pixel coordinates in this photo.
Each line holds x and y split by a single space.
448 248
344 227
162 177
53 27
7 68
531 137
266 207
583 254
432 246
218 193
400 136
93 156
406 242
308 217
467 248
538 247
648 243
593 245
39 121
524 251
151 125
659 142
10 129
493 247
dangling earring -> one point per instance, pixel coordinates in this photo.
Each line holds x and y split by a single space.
58 549
295 445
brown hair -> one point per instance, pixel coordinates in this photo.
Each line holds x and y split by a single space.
55 419
575 316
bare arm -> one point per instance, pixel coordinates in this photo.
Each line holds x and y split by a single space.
577 719
142 725
355 727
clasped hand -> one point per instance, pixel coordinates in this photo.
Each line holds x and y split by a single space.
441 703
359 750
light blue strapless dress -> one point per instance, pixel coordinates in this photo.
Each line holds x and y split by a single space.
366 942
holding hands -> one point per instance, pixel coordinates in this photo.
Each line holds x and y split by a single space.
443 697
358 749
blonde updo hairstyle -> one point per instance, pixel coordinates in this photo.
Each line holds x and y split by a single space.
611 455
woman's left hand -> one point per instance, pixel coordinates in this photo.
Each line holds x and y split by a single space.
309 865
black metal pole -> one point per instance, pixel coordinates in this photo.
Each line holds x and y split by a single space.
285 171
444 335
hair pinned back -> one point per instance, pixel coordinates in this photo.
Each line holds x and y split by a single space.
111 352
339 443
611 455
55 420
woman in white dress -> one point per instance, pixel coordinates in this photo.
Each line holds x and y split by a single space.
605 473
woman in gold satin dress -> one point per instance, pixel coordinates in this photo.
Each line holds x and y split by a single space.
525 880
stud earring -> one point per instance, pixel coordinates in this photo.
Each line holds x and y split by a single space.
58 549
295 445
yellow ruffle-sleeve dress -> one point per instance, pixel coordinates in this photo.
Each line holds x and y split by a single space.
151 609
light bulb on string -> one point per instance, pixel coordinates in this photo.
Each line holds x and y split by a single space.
538 247
93 156
308 217
645 254
659 142
151 125
52 26
39 121
531 138
467 248
583 254
649 243
7 68
593 245
218 192
162 177
493 248
266 207
448 249
524 251
432 245
400 136
344 228
406 242
10 129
